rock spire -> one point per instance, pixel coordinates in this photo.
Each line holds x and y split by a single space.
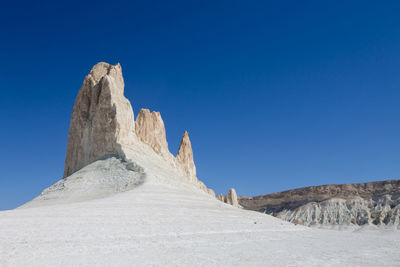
102 118
231 198
185 156
150 130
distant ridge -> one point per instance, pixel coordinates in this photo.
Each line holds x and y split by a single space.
373 203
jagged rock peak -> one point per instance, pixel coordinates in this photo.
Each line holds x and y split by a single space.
150 129
185 156
102 69
102 118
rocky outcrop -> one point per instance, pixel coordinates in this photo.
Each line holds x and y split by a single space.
231 198
102 118
102 126
185 157
211 192
376 203
150 130
220 197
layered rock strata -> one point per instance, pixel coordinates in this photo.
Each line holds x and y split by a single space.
375 203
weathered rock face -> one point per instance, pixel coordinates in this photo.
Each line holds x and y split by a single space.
150 129
381 211
185 156
376 203
102 118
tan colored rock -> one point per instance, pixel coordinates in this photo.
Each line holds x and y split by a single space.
200 184
211 192
185 157
102 124
102 118
220 197
150 130
231 198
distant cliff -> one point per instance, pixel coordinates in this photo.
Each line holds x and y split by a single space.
375 203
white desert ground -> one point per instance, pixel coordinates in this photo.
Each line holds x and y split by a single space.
143 213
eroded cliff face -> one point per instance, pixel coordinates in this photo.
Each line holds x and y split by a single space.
102 118
380 211
376 203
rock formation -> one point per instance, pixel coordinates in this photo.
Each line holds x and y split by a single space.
220 197
231 198
211 192
185 156
102 118
375 203
380 211
102 126
150 129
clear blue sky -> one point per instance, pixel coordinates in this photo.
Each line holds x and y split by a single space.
275 94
